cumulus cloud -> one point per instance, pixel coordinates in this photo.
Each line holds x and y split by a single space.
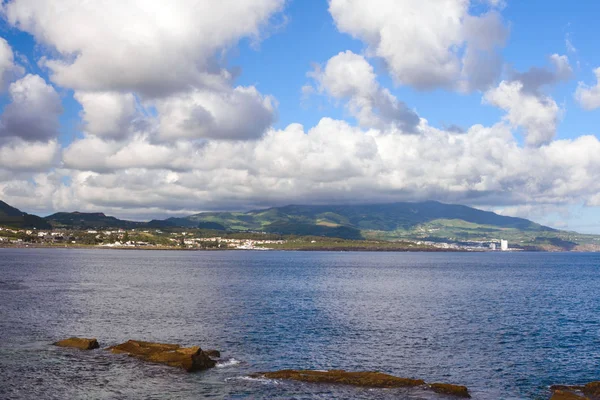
165 126
536 78
239 113
108 114
587 96
33 112
8 67
537 114
427 44
330 162
350 77
20 155
150 47
152 54
526 104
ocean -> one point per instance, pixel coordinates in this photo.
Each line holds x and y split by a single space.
507 325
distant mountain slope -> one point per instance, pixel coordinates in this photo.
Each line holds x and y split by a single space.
79 220
429 220
350 221
15 218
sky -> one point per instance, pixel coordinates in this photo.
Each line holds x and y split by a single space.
147 109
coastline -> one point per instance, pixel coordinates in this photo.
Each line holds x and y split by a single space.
302 249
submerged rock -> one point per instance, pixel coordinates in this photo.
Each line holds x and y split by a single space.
561 394
364 379
189 358
78 343
590 391
454 390
370 379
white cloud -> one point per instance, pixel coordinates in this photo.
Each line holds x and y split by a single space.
589 96
330 162
19 155
350 77
156 55
526 105
537 114
427 44
108 114
239 113
535 78
33 112
8 68
152 47
165 126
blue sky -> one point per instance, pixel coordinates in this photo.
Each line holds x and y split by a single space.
143 109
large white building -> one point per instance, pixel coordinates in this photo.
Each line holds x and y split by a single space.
503 244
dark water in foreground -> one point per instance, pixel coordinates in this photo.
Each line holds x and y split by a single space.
505 325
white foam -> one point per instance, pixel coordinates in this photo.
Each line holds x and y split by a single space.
264 381
228 363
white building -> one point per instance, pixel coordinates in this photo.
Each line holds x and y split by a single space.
492 246
503 245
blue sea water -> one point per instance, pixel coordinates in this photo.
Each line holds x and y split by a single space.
507 325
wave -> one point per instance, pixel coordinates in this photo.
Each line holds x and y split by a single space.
228 363
264 381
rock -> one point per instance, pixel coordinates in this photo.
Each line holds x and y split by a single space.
213 353
363 379
592 389
454 390
78 343
189 358
566 395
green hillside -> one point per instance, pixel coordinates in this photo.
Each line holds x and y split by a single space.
78 220
15 218
428 221
359 221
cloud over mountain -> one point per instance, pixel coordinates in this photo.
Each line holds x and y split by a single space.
143 111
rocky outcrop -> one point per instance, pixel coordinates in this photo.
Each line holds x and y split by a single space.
189 358
363 379
213 353
454 390
590 391
561 394
78 343
371 379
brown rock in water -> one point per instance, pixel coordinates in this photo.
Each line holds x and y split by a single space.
454 390
213 353
364 379
189 358
561 394
78 343
592 389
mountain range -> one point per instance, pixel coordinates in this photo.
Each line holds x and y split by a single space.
322 220
13 217
429 220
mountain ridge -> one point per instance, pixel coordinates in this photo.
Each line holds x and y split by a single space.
428 221
372 217
15 218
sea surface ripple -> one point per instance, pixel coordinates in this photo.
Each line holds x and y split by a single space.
507 325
